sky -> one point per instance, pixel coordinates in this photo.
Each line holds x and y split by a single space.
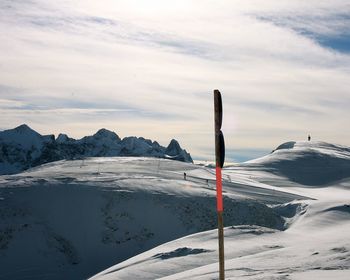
149 68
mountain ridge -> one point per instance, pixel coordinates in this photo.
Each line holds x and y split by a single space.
22 148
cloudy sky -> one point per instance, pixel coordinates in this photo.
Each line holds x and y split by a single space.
148 68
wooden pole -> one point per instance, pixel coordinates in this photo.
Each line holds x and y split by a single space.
220 157
221 246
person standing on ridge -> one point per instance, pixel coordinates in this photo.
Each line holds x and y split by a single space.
309 138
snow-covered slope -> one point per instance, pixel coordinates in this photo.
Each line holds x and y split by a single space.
316 247
313 245
22 148
308 163
72 219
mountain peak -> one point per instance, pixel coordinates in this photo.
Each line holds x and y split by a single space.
62 138
22 134
174 151
23 147
105 133
24 128
173 148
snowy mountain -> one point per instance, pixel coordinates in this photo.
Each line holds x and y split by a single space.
71 219
301 162
22 148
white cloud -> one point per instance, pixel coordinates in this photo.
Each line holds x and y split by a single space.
10 104
166 57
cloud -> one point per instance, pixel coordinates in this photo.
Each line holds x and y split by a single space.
10 104
149 67
328 29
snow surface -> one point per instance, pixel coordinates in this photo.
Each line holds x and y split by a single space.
311 163
72 219
314 244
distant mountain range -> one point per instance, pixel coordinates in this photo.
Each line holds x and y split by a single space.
22 148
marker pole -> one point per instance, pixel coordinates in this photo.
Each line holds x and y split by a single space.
220 158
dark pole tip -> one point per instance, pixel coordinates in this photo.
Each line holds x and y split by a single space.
217 110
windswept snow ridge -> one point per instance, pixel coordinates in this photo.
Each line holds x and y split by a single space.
308 163
22 148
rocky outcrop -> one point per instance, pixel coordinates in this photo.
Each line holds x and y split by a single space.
22 148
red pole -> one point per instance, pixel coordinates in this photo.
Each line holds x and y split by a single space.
219 203
220 157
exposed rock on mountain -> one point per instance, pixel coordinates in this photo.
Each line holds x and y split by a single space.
22 148
174 151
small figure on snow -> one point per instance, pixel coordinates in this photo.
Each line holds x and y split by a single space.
309 138
184 175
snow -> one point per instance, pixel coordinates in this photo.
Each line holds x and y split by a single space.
24 137
75 218
313 245
137 218
20 147
311 163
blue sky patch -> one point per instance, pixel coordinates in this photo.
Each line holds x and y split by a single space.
330 31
